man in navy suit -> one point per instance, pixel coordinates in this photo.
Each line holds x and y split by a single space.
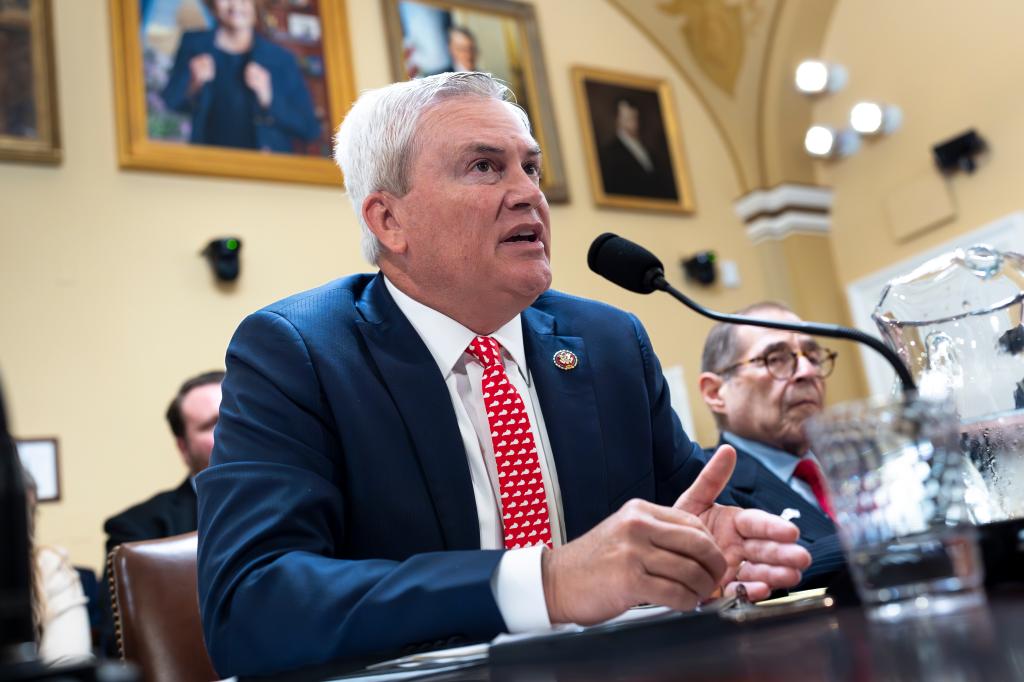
363 496
762 385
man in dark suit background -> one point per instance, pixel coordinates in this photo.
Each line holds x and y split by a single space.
762 385
192 416
369 490
629 165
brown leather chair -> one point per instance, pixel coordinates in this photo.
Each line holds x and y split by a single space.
156 609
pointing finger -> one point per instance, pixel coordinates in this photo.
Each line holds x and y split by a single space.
710 483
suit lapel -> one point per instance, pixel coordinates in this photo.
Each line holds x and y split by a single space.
773 494
422 399
572 421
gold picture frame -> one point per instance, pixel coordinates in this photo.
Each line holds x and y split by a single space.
29 125
309 47
634 150
503 39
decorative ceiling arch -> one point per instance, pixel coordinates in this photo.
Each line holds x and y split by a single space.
738 57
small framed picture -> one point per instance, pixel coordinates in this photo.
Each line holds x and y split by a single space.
497 36
634 151
41 458
249 88
29 129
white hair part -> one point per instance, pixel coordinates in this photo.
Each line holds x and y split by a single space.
374 144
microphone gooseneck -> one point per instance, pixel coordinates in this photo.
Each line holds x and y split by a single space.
633 267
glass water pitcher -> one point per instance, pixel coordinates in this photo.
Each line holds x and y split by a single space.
956 322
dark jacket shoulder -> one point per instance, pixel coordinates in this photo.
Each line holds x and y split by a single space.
168 513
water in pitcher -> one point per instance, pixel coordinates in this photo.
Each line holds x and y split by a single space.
995 444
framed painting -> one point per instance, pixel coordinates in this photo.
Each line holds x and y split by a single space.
242 88
496 36
634 150
29 129
41 457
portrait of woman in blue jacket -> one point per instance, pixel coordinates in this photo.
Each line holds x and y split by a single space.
241 89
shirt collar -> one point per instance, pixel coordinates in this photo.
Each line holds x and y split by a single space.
779 462
447 339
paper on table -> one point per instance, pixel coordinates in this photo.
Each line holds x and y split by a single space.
445 660
636 613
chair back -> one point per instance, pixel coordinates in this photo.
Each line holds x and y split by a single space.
155 603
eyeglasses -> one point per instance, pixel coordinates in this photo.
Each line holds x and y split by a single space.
781 363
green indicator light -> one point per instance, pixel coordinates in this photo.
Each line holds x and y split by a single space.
232 244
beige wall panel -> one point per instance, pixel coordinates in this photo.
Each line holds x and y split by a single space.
950 66
818 298
786 113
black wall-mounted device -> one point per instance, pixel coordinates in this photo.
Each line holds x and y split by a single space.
222 254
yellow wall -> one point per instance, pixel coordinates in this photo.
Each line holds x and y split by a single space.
950 66
107 306
785 113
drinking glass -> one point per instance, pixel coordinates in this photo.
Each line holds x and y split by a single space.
896 476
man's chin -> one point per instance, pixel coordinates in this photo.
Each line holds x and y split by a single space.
805 409
531 283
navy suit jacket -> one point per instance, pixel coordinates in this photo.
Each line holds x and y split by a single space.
337 518
290 117
753 486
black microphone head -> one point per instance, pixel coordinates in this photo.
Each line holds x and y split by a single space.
629 265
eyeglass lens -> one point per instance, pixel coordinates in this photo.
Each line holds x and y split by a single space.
782 363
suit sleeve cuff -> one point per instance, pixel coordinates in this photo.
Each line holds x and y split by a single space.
519 590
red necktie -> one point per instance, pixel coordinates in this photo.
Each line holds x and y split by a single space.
807 471
524 502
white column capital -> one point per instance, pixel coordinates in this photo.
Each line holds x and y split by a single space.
785 209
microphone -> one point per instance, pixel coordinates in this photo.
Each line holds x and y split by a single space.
633 267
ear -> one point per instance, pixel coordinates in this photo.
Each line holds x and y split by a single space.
711 385
379 214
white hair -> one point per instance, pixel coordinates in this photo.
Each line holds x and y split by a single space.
374 144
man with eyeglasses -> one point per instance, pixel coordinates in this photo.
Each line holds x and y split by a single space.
762 385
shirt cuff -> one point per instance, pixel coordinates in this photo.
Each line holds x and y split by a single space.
519 590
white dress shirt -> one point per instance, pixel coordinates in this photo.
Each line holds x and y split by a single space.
516 584
638 151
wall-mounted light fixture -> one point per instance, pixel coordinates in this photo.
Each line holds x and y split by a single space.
872 118
814 77
825 142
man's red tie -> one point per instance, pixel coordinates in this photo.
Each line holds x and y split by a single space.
524 501
809 472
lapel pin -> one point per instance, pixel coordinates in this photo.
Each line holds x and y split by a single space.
788 514
566 359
